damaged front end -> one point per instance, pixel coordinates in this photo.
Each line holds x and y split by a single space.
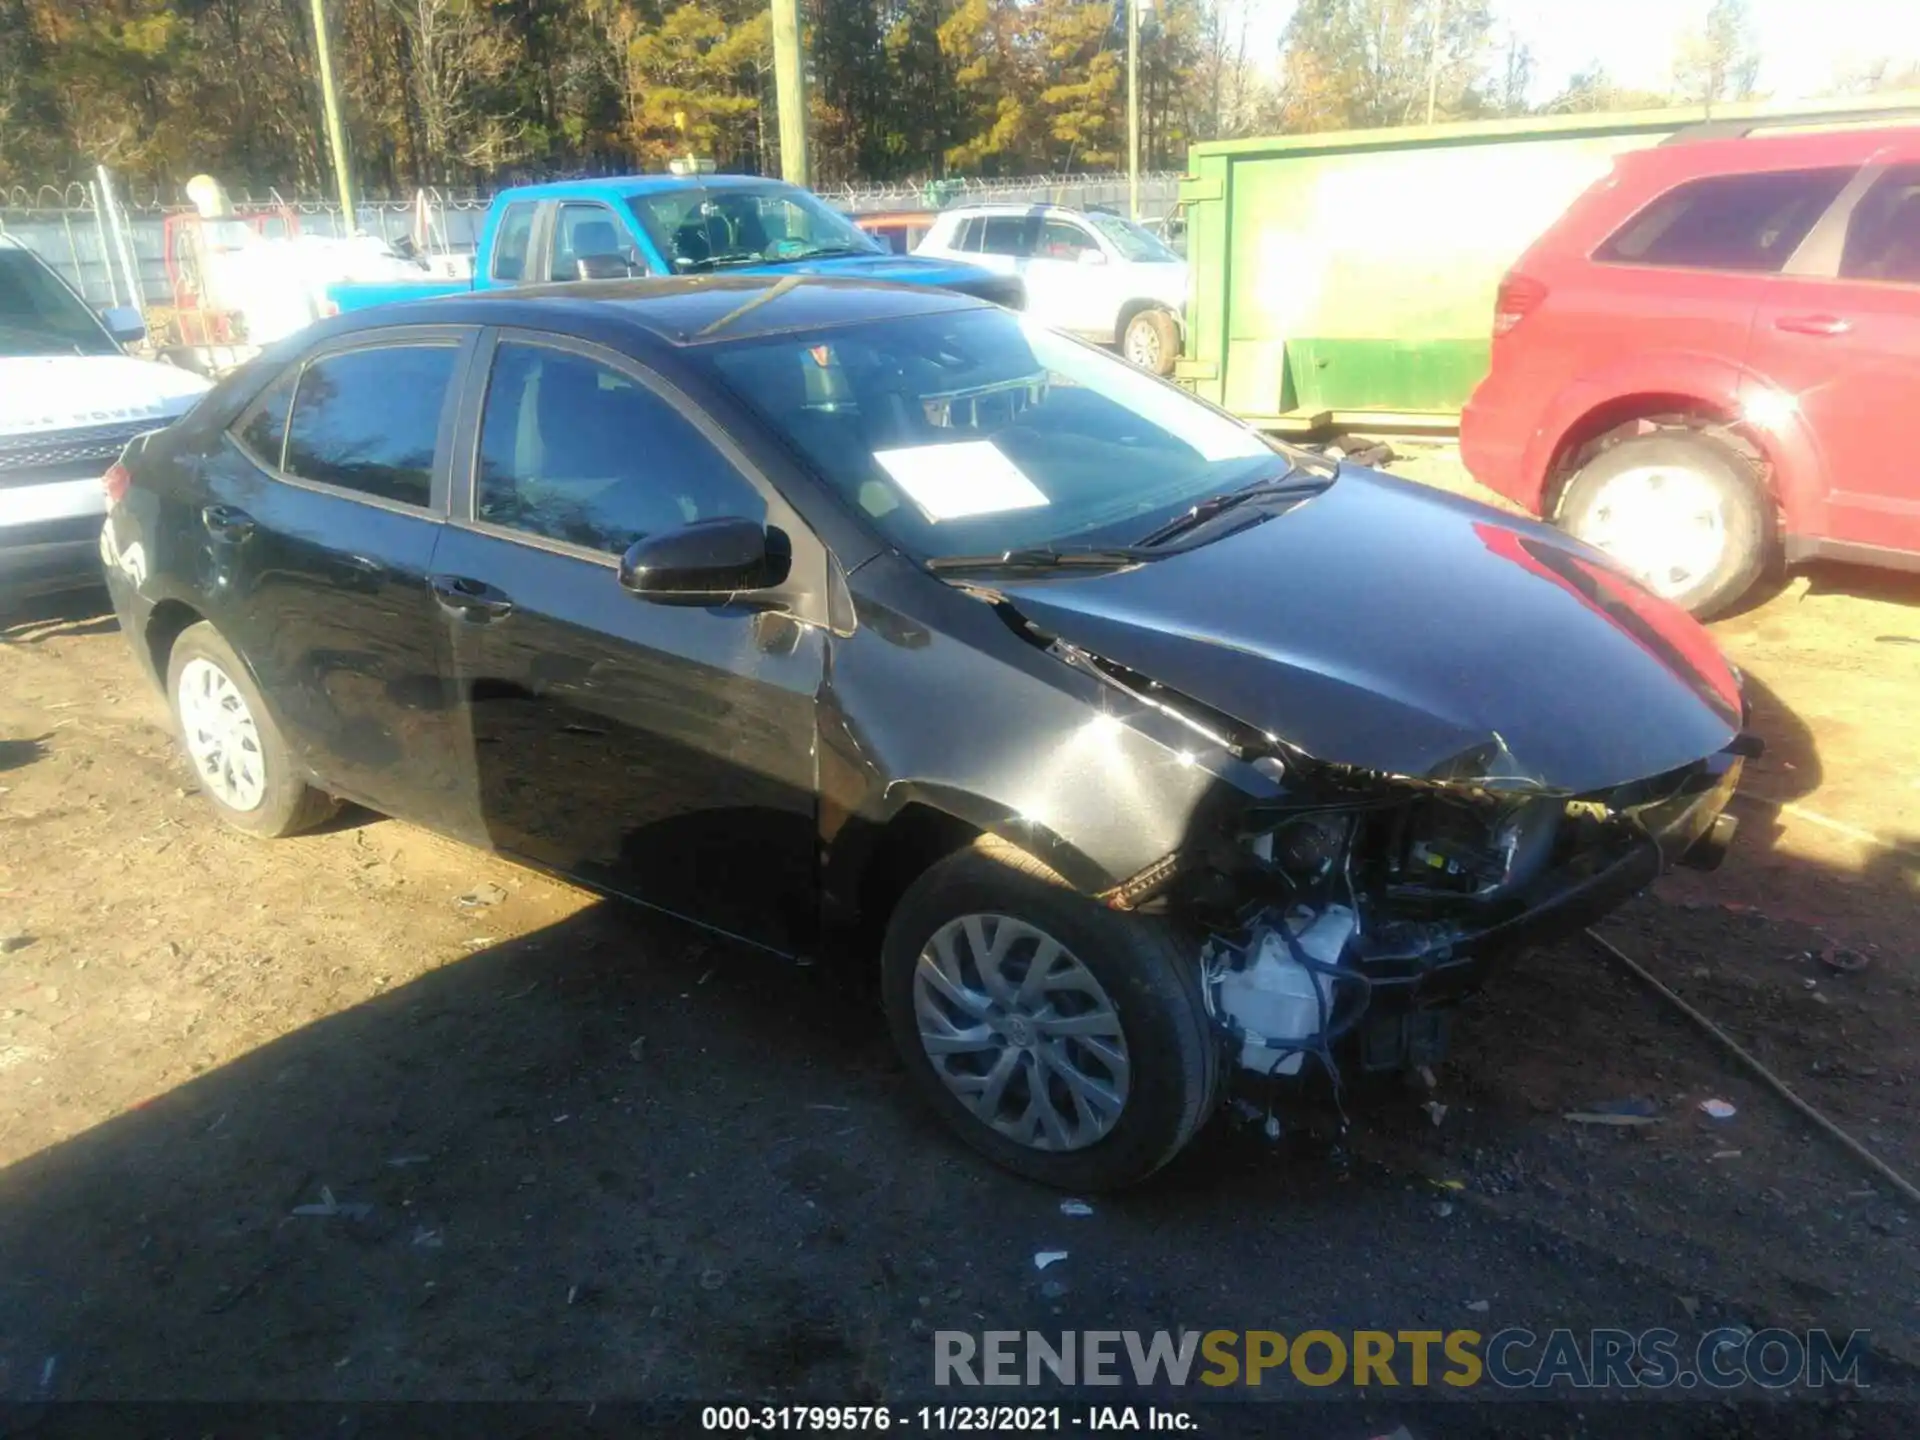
1346 911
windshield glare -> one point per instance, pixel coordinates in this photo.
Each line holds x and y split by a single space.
707 227
39 315
979 431
1134 242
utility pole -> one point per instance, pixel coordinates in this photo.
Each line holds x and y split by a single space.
1433 59
336 134
790 80
1133 108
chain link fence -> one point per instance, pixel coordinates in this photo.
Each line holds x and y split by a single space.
114 251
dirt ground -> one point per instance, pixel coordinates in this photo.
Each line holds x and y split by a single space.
564 1150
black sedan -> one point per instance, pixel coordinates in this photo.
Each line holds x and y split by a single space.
1152 757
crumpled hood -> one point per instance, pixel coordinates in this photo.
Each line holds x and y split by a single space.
1387 625
70 392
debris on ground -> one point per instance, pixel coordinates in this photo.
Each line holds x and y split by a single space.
481 896
712 1279
1053 1290
1443 1209
1637 1105
1842 961
1369 453
401 1162
1719 1109
1595 1117
1043 1258
1436 1112
1479 1307
352 1209
428 1239
1075 1207
638 1049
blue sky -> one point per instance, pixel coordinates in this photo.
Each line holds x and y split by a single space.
1803 43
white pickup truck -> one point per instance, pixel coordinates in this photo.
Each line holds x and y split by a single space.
70 400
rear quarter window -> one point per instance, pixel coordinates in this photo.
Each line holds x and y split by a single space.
510 244
1748 223
368 420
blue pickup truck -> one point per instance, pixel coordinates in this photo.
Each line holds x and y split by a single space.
674 225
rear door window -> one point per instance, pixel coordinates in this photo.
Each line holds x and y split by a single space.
1746 223
1009 235
368 420
1883 237
263 434
511 240
576 451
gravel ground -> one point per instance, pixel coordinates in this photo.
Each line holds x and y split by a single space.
565 1151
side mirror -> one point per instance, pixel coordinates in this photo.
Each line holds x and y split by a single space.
125 323
1093 257
707 563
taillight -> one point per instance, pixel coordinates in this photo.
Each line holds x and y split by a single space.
1519 296
116 481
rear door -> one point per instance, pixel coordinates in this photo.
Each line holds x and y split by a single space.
1684 275
665 753
1841 340
322 511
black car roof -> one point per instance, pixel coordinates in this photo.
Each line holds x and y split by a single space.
685 310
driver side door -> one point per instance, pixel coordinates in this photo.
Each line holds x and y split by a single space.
1069 267
662 753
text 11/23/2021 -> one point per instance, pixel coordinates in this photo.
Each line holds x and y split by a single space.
970 1419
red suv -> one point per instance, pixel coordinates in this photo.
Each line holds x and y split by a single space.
1713 358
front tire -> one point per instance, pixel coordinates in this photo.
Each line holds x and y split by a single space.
238 755
1682 510
1065 1041
1151 340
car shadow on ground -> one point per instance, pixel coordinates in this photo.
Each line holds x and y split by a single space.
1826 577
71 613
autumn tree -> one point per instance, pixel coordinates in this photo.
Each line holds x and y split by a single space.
1358 63
1721 60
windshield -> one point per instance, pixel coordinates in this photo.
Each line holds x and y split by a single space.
1134 242
39 315
978 431
706 227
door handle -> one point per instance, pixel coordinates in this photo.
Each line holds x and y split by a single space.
1813 324
470 599
223 522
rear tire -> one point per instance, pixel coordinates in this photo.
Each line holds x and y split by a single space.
1681 509
1151 341
244 766
1127 987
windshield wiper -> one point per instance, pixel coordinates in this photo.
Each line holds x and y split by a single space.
1295 484
825 252
1044 557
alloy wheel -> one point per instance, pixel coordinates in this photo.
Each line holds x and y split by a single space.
221 736
1021 1032
1143 345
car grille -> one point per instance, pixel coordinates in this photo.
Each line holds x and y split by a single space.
66 454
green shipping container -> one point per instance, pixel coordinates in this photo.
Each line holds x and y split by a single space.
1348 279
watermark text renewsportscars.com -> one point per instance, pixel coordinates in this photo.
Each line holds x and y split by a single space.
1510 1359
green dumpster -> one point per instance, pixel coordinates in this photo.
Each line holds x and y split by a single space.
1348 279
